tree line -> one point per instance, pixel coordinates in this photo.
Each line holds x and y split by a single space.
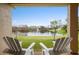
26 28
55 27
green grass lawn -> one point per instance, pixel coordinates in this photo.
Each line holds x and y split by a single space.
27 40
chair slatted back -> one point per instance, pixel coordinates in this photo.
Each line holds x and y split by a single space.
7 42
12 42
19 48
61 44
65 44
56 45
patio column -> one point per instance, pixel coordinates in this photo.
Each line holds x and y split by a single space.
73 26
5 24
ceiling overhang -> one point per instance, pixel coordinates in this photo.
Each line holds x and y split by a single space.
38 4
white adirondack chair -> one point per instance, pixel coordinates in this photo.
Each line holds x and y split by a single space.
15 47
61 46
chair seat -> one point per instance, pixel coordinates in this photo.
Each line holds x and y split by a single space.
50 48
27 51
51 52
22 53
7 50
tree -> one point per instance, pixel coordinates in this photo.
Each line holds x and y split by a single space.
43 29
54 25
33 28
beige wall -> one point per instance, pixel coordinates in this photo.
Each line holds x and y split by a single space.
5 24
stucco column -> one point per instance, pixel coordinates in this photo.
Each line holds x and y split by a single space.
5 24
73 26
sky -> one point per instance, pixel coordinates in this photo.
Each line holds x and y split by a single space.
36 16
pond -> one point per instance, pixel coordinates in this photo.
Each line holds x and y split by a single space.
39 34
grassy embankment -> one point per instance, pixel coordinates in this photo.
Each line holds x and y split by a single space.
27 40
47 40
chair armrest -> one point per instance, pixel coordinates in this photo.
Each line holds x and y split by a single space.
43 46
31 46
28 51
20 42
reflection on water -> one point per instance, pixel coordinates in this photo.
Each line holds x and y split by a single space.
39 34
